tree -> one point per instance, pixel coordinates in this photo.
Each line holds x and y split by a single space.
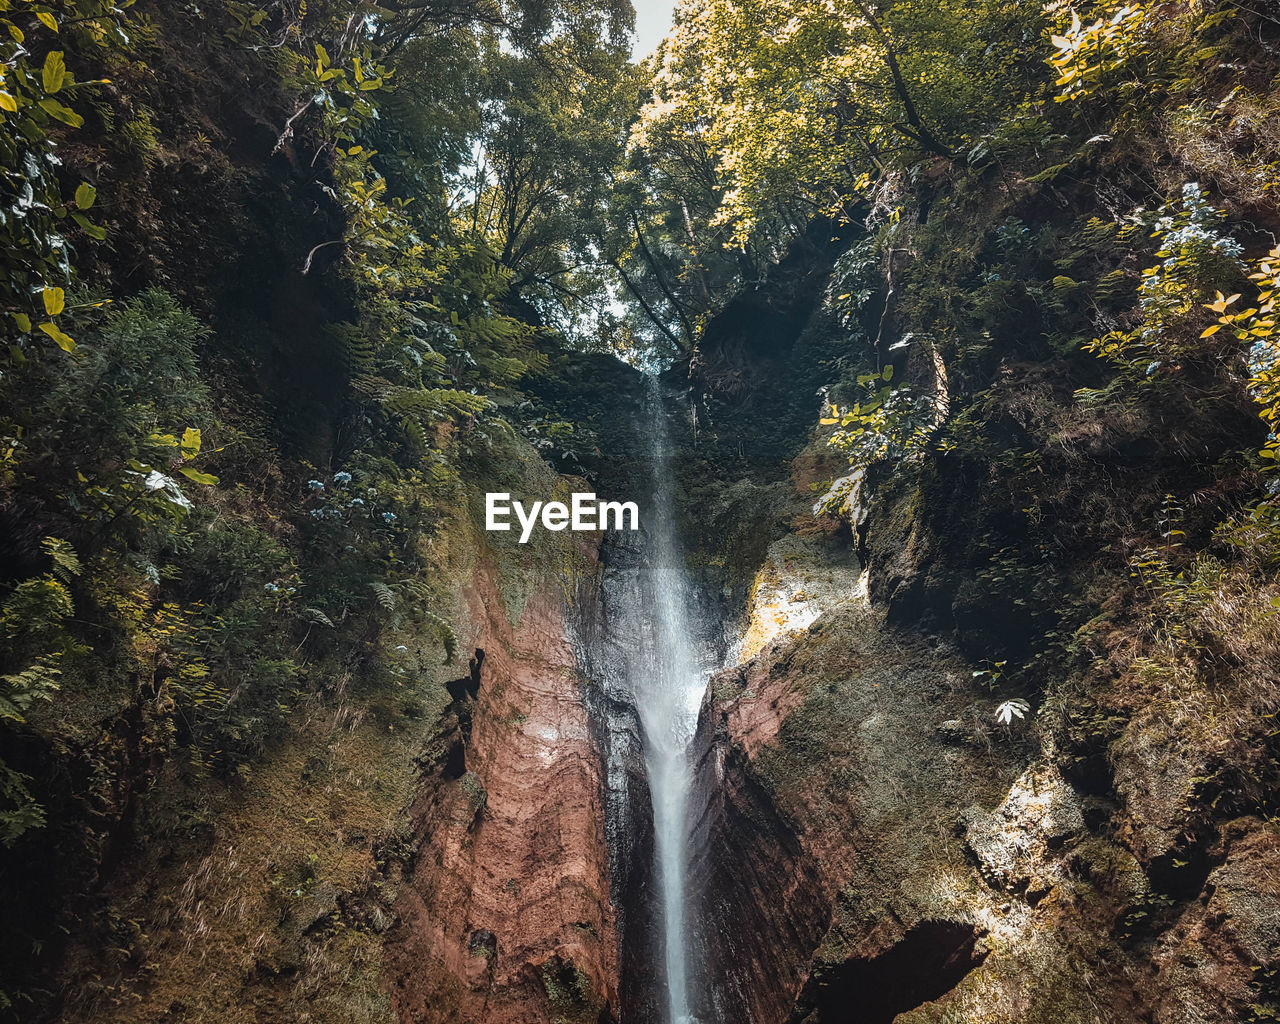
803 106
553 127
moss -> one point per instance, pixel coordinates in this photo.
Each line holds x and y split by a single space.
569 992
221 869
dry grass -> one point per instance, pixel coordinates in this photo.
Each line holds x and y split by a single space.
245 914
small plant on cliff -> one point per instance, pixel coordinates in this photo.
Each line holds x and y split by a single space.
1008 710
886 422
1168 344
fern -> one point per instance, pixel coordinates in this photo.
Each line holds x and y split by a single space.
384 595
66 563
36 608
371 386
19 691
415 595
445 632
318 617
436 404
22 814
357 348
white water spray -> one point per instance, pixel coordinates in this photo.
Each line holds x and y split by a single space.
668 696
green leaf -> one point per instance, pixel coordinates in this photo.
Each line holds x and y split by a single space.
23 321
54 73
887 375
64 114
195 476
64 341
191 442
85 195
55 300
90 228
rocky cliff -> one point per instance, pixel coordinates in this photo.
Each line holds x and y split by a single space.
505 909
878 847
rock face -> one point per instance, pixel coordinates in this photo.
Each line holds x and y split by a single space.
877 848
505 908
606 632
830 843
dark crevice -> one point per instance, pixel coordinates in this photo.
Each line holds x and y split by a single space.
456 732
468 687
924 965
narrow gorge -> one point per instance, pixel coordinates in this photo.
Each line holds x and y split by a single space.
936 344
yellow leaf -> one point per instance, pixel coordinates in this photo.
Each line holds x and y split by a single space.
8 103
62 113
64 341
191 442
48 20
55 300
54 73
1212 330
194 475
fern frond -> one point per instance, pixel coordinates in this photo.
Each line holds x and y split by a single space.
444 631
22 813
413 589
371 386
384 595
434 404
357 348
22 689
66 563
317 616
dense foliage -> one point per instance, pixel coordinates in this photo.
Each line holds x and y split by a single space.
1036 184
283 279
223 475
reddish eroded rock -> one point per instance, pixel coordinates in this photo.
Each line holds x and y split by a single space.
831 838
878 849
755 721
505 909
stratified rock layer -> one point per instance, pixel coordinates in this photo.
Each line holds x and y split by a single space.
505 912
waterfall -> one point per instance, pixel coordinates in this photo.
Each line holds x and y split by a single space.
669 689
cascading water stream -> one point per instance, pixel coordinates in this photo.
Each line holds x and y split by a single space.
668 697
